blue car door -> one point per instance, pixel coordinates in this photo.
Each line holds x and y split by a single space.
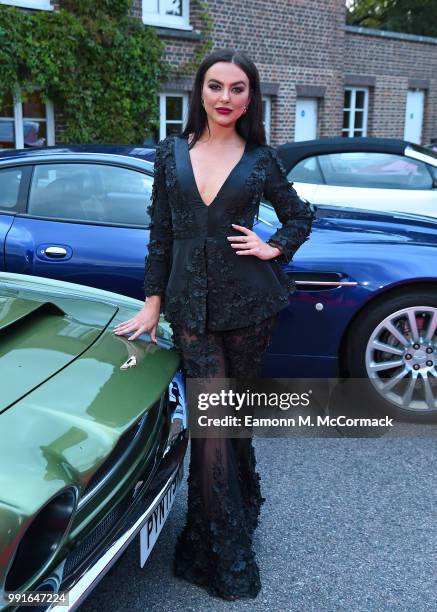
85 223
13 181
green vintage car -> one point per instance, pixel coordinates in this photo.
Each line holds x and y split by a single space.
93 433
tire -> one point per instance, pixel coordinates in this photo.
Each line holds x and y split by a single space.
407 327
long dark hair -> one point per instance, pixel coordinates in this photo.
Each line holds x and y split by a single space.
250 125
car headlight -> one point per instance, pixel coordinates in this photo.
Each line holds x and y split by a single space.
41 539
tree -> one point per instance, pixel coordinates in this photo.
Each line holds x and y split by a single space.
411 17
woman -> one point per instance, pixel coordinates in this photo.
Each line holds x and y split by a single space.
221 288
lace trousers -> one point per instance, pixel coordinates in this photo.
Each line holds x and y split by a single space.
214 550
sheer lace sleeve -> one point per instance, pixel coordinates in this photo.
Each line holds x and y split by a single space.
158 260
295 214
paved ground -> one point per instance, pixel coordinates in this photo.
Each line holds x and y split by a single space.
348 525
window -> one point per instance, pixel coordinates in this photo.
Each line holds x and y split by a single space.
173 109
26 124
267 112
355 111
90 193
377 170
44 5
306 171
10 179
167 13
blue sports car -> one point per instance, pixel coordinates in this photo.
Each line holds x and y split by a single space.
366 299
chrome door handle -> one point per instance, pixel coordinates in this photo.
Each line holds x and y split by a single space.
55 252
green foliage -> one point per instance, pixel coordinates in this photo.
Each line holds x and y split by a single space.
113 8
101 65
417 17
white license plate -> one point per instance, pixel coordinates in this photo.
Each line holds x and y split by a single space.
158 515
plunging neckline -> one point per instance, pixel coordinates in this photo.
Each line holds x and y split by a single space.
224 182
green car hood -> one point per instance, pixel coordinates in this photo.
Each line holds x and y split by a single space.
65 401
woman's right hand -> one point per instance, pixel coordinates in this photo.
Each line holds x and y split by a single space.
145 320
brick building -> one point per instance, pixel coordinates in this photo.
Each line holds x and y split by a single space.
319 76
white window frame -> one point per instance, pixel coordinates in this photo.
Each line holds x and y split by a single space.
349 131
268 117
18 122
163 121
167 21
40 5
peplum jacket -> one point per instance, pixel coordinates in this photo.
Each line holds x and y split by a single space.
203 284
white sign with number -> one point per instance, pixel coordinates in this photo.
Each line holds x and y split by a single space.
158 515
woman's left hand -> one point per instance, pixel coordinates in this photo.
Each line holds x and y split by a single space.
252 244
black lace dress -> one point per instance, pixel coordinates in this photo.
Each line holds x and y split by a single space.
214 550
223 309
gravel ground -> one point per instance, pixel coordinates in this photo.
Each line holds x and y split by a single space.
349 524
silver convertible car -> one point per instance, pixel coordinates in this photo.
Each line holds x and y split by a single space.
382 174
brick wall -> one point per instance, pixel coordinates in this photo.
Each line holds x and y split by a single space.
301 43
395 63
291 43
